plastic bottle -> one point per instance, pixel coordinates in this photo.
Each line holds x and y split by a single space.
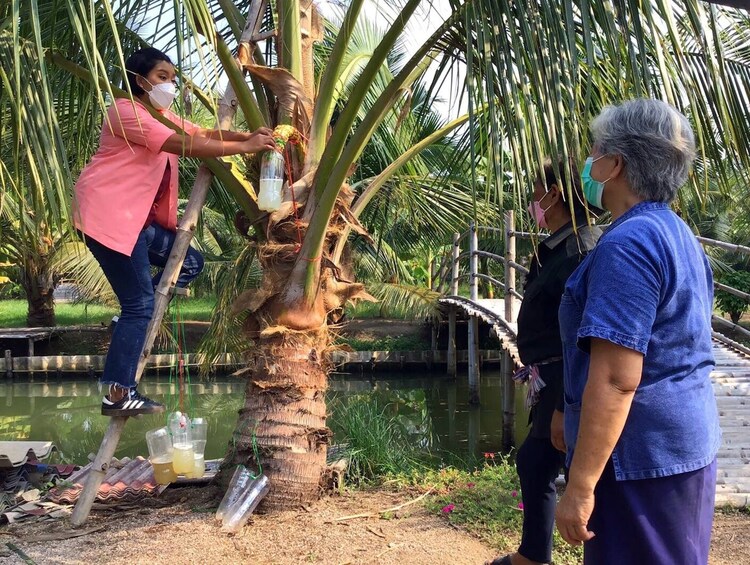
271 181
241 478
238 514
198 430
183 458
160 455
163 470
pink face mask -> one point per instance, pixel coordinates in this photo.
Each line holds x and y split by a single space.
537 212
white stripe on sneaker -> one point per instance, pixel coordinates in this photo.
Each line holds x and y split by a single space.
140 403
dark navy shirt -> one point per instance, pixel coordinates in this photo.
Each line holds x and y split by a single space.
647 286
556 258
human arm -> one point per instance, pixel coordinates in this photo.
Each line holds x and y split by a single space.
200 146
224 135
132 121
614 375
557 430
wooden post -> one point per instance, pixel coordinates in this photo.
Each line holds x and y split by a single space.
451 360
474 430
509 388
455 266
430 270
456 251
442 274
510 272
8 364
434 340
452 398
473 320
227 109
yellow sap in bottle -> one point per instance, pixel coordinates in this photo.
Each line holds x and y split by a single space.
199 467
183 460
163 471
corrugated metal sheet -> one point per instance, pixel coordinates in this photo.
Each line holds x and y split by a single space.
126 480
16 453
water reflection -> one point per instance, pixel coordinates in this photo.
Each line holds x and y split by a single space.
67 412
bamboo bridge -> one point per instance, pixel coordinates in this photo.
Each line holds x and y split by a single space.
730 378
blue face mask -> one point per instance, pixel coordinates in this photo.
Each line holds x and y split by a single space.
592 189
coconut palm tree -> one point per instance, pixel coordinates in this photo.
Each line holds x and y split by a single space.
539 70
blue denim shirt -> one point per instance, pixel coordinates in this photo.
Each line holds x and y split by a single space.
647 286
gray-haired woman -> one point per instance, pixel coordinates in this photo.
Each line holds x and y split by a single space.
641 424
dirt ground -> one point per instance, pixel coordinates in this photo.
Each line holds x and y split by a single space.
179 534
179 529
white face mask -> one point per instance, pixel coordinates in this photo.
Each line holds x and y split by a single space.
162 95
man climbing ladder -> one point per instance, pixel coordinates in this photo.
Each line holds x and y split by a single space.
126 208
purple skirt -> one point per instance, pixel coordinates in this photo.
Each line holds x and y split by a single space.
664 521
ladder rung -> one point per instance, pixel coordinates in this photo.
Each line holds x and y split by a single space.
180 291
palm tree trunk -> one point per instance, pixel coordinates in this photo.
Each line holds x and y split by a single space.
39 284
285 415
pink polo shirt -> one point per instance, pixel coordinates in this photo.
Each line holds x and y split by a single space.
116 190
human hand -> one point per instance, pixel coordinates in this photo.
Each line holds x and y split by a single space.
573 514
260 140
557 431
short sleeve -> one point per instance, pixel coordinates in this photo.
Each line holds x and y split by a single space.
623 289
137 126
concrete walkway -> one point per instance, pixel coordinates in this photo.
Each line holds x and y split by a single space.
732 388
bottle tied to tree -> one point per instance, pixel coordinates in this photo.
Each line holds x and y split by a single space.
271 181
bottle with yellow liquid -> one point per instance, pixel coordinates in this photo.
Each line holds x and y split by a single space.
160 454
198 433
163 471
182 443
199 467
183 459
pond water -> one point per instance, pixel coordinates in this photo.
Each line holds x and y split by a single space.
66 411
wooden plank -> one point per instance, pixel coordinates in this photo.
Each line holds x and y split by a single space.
5 334
59 329
84 363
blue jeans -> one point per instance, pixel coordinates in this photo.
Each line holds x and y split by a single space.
133 285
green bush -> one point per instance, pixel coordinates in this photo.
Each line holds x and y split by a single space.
388 343
376 439
11 290
729 303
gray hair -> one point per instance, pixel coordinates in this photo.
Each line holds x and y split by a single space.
654 139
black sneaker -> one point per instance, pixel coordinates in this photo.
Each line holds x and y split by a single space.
132 404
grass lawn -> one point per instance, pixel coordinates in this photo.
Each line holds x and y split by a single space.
13 312
371 310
